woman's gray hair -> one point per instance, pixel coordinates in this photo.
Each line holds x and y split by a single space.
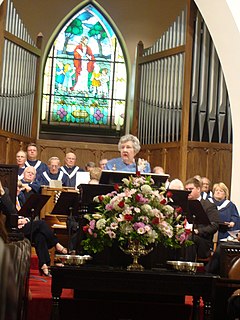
130 137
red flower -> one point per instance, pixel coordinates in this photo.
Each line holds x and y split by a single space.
163 201
121 204
179 210
137 197
128 217
100 198
116 187
138 173
155 220
85 228
169 194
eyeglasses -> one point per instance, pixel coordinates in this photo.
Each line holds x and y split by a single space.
189 189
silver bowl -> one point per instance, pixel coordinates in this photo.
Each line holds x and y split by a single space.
71 259
186 266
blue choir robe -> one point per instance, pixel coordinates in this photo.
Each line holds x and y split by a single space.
46 176
227 212
71 173
38 165
35 185
117 164
20 172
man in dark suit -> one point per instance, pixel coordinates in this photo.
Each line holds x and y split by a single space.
203 233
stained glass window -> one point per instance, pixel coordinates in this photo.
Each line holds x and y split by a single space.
85 77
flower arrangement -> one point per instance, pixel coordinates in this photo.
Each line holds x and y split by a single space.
135 211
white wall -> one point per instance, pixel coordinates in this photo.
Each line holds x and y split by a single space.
223 20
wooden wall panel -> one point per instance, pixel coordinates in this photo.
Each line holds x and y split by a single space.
85 152
3 149
203 158
221 166
172 163
10 144
197 159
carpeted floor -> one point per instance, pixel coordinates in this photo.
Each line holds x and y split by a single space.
39 306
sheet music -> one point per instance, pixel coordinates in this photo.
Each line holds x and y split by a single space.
55 184
82 178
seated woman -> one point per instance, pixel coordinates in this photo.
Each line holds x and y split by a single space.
38 230
128 146
227 210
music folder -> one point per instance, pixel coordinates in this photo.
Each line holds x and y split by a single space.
179 198
112 177
196 213
67 204
33 205
89 191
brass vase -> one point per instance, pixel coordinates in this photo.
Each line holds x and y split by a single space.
136 250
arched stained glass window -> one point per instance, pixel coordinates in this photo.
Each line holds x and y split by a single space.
85 78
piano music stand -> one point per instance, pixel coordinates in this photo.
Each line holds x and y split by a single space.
67 204
32 207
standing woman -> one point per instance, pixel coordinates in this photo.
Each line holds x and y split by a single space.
227 210
128 146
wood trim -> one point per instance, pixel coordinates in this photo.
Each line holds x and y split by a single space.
11 135
35 116
191 13
134 129
3 9
22 43
162 54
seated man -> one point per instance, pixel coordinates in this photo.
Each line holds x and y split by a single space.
53 173
21 158
206 188
29 184
102 163
33 161
203 234
70 169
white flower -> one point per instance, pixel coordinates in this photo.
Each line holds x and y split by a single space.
152 234
125 181
100 224
141 164
169 208
126 228
146 189
114 225
146 208
141 230
97 216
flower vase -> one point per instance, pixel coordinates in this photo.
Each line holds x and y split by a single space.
136 250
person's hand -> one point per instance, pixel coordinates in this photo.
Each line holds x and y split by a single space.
2 191
22 222
26 187
231 224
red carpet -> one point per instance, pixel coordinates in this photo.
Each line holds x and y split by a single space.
40 303
39 306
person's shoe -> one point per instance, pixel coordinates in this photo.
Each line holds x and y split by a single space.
44 272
